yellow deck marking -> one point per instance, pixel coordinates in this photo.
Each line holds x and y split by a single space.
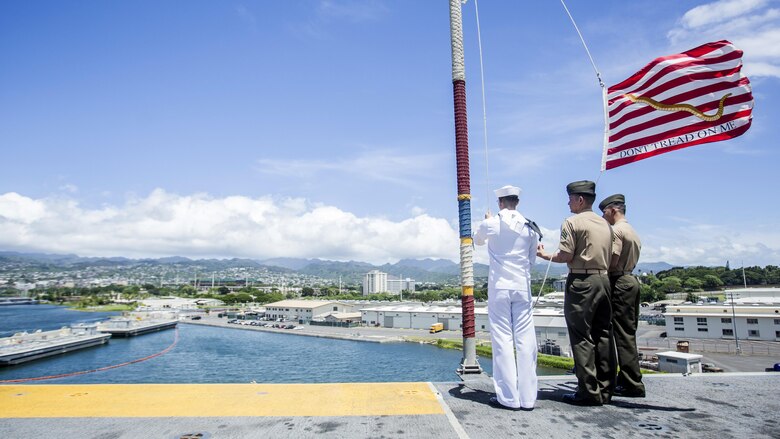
190 400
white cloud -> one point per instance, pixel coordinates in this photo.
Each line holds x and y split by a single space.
198 225
19 209
330 13
752 25
719 11
692 244
713 244
374 165
246 15
417 211
355 11
71 188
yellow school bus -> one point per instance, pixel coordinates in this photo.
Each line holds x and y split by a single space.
436 327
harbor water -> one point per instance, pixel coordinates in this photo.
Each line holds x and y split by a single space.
205 354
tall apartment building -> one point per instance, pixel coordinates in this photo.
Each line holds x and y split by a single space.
374 282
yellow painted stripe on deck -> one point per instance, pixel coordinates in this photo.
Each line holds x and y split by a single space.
190 400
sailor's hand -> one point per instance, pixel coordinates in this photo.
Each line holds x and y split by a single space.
488 214
540 251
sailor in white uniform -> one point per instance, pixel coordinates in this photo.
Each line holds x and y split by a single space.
511 243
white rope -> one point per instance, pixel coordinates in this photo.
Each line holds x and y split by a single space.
544 280
484 110
456 39
467 264
603 92
606 132
598 75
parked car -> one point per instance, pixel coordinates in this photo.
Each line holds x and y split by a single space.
709 367
196 317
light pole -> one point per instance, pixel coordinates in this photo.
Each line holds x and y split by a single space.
734 323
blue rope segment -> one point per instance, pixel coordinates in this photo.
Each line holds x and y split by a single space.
464 218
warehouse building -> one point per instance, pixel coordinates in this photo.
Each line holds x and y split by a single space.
751 322
550 323
303 311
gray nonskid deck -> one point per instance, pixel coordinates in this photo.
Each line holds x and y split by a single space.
701 406
698 406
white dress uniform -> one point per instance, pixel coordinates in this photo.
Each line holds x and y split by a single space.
512 250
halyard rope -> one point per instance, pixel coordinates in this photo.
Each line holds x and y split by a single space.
603 91
484 109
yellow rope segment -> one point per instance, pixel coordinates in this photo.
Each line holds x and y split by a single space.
467 241
462 197
680 107
468 290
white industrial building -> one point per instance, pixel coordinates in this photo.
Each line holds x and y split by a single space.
679 362
752 322
179 303
342 317
303 311
374 282
746 294
397 286
549 323
559 285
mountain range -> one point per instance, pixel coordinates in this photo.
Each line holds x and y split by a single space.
421 270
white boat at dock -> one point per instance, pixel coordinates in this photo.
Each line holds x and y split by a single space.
23 346
139 323
5 301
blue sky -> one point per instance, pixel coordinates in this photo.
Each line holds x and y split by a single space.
325 128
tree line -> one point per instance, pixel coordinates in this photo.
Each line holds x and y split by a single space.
654 287
698 279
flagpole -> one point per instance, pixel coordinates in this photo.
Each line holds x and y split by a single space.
469 364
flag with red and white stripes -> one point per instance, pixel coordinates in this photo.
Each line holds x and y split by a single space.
677 101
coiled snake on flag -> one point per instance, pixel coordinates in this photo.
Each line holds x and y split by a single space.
681 107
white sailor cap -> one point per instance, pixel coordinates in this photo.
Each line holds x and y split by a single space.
507 191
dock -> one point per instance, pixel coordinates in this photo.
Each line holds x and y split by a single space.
131 328
728 405
23 347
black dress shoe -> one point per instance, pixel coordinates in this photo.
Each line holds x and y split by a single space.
574 399
495 403
629 393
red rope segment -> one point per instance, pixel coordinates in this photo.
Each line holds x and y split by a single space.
83 372
461 137
464 187
469 327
